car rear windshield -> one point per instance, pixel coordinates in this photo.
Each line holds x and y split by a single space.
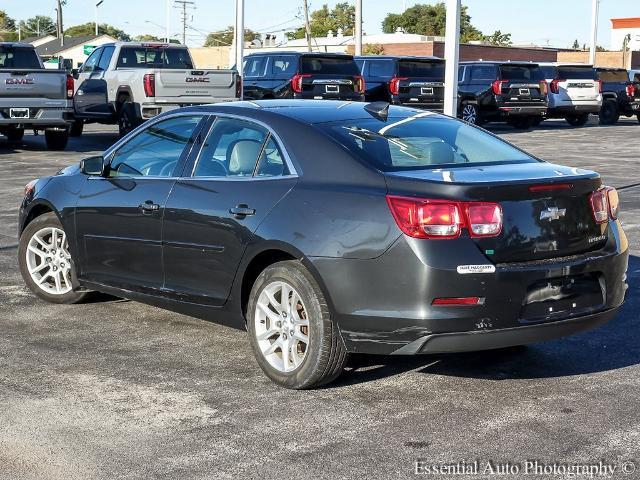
521 72
613 75
16 57
424 141
421 69
329 66
577 73
154 57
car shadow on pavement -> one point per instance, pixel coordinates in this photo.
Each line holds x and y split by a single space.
610 347
88 142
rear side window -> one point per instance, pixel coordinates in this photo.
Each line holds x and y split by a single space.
284 66
461 73
154 57
382 68
576 73
329 66
613 75
525 73
13 57
483 72
434 70
254 66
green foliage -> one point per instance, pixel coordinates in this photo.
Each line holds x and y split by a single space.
499 38
343 16
147 38
40 23
225 37
7 27
103 29
373 49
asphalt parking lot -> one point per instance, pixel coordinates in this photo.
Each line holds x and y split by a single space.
117 389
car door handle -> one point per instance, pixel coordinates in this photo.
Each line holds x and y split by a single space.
242 210
149 207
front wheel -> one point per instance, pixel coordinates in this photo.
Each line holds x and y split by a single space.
293 337
45 262
56 139
471 114
577 120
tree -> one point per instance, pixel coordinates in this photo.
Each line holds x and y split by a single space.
499 38
38 24
425 19
576 45
7 27
147 38
373 49
225 37
103 29
342 16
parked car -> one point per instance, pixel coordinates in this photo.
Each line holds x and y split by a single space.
620 96
574 91
130 82
327 76
33 97
411 81
512 92
325 228
634 76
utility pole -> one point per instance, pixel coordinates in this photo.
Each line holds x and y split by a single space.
167 21
97 5
19 32
451 53
358 32
184 4
60 23
594 31
307 24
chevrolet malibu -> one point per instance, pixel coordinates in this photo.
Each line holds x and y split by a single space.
325 228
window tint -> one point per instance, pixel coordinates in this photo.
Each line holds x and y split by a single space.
461 73
154 57
107 53
231 149
329 65
271 161
382 68
12 57
285 66
515 72
255 66
92 61
156 150
433 70
577 73
421 143
483 72
549 72
613 75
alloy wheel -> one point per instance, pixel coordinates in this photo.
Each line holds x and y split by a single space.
282 326
469 114
49 261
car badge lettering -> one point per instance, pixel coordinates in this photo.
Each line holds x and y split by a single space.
18 81
553 213
466 269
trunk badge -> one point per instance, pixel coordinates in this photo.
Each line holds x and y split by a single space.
553 213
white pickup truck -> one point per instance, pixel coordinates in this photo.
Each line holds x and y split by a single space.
32 97
127 83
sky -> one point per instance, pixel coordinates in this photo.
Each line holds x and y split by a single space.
544 22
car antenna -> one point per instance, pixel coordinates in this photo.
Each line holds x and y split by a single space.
379 110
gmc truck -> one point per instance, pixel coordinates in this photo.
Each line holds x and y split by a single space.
127 83
32 97
620 96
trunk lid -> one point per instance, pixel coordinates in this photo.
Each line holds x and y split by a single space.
537 225
172 83
42 83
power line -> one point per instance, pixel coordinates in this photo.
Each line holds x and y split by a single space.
184 5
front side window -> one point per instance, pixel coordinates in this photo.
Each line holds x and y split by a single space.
156 150
422 142
92 61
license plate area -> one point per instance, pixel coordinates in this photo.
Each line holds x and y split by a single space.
332 88
426 90
18 113
525 92
563 297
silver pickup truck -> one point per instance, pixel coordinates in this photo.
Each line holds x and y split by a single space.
127 83
32 97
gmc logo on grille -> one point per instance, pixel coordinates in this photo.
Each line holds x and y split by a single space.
197 80
18 81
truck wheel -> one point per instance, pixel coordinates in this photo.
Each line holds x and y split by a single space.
609 113
15 134
76 128
471 114
577 120
127 119
56 139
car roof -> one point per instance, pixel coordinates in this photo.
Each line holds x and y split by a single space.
299 54
143 44
500 62
411 58
16 44
564 64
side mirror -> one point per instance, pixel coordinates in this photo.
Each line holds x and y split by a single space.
92 166
75 73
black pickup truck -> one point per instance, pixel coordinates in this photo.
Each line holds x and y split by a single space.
512 92
620 96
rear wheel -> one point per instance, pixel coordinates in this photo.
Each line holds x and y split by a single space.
127 119
609 112
521 123
536 121
638 117
76 128
56 139
293 337
15 134
471 114
577 120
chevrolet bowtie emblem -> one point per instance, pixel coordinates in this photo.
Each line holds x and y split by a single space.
553 213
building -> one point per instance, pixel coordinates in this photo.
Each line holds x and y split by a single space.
75 50
37 41
628 28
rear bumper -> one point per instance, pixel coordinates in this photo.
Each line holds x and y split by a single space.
576 109
38 117
357 97
417 103
150 110
522 110
633 108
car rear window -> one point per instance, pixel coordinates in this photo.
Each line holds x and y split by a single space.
524 72
12 57
329 66
154 57
424 141
613 75
421 69
577 73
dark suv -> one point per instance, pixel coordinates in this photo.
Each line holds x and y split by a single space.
412 81
620 96
515 92
319 76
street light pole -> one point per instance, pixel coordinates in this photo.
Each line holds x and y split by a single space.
239 35
358 32
594 31
97 5
167 20
451 54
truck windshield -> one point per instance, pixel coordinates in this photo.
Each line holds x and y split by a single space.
521 72
154 57
17 57
329 65
433 70
422 141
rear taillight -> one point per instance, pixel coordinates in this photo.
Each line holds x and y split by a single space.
550 187
614 202
544 88
149 85
394 85
70 86
359 84
554 87
599 206
296 82
442 219
239 87
497 86
599 86
460 301
631 90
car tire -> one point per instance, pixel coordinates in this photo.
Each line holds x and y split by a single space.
609 112
577 120
521 123
536 121
15 135
638 117
470 113
317 354
127 119
40 252
76 128
56 139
